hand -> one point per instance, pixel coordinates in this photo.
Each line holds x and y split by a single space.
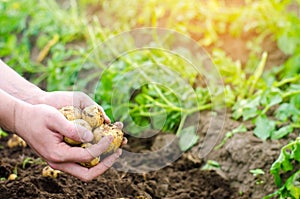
43 128
59 99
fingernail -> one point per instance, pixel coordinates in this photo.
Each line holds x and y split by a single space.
107 120
119 125
119 152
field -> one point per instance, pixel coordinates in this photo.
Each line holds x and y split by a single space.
208 91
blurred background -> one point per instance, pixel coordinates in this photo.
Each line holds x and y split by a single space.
253 44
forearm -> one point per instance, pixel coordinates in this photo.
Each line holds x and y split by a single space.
15 85
8 107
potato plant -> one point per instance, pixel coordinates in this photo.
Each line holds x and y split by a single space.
92 119
288 159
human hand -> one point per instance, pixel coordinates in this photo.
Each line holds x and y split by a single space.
43 128
59 99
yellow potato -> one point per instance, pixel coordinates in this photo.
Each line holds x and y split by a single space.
49 172
80 122
12 176
109 129
93 115
93 162
71 112
16 141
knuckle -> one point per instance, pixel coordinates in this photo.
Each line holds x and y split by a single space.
80 94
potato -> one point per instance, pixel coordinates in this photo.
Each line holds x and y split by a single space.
93 115
93 162
92 118
109 129
12 176
16 141
71 112
80 122
49 172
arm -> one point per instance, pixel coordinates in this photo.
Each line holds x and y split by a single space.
15 85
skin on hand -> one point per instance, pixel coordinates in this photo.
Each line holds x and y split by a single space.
43 127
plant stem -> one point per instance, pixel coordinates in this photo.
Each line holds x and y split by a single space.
287 80
258 72
290 93
184 116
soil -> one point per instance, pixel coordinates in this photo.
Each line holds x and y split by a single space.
183 178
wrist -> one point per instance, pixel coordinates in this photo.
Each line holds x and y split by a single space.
21 111
35 96
9 110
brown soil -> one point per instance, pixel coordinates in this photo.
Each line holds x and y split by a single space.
180 179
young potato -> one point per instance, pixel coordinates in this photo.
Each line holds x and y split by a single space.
93 115
71 112
80 122
109 129
92 163
49 172
12 176
16 141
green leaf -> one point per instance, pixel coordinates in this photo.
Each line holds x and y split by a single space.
257 172
264 127
246 108
211 165
188 138
287 43
296 151
283 112
293 185
271 97
283 131
249 113
291 66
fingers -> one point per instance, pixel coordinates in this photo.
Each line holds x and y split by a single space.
97 149
65 153
71 130
87 174
124 141
119 125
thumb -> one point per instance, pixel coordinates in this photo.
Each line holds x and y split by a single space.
71 130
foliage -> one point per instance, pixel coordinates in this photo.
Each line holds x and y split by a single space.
3 133
211 165
288 158
30 161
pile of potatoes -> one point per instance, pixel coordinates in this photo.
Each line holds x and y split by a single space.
92 119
